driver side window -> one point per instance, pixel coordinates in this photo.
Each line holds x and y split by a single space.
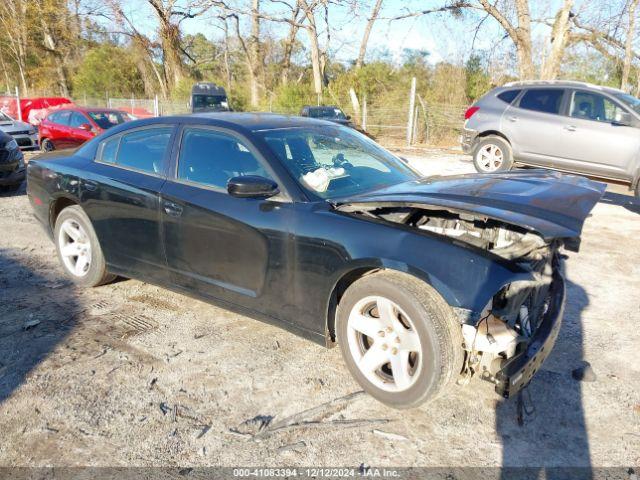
211 158
591 106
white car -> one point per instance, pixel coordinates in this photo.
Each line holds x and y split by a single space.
25 134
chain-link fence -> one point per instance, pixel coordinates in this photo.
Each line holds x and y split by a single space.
386 120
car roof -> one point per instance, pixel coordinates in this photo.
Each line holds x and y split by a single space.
561 84
321 106
254 121
86 110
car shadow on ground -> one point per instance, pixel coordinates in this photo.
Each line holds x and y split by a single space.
13 192
553 431
629 202
30 329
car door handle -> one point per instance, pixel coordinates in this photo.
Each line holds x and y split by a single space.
172 209
90 185
571 128
513 119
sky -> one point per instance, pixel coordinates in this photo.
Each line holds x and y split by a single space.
432 33
445 37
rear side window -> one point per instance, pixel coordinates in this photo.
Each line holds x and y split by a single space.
545 100
142 150
508 96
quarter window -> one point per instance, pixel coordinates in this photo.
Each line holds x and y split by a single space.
508 96
545 100
212 158
143 150
109 150
591 106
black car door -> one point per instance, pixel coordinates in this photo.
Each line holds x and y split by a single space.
229 248
121 196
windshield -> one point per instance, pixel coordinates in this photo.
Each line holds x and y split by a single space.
629 100
333 162
5 118
327 112
209 102
107 120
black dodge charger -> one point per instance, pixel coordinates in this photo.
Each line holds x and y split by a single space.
314 227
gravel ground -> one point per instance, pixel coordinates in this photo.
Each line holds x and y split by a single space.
132 374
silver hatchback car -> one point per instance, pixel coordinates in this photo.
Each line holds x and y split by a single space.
569 126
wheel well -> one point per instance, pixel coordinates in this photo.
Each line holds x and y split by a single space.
336 295
59 205
493 132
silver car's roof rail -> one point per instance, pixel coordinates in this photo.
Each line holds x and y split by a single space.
552 82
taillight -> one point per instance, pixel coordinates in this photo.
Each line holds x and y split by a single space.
470 111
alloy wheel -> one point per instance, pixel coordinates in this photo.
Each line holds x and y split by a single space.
75 247
490 157
384 344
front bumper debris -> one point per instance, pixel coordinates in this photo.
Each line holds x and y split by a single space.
468 140
518 371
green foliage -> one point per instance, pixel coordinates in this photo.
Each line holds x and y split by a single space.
290 98
182 89
478 81
238 100
107 68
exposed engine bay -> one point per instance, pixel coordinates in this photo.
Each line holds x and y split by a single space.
505 327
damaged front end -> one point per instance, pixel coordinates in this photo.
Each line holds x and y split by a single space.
520 220
508 340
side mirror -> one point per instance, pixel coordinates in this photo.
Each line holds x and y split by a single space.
252 186
348 117
86 127
625 119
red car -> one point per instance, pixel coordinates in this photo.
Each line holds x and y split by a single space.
71 127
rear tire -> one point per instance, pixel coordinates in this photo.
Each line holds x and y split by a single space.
79 249
405 361
492 154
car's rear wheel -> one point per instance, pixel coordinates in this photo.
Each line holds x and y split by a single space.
493 154
79 250
399 338
47 145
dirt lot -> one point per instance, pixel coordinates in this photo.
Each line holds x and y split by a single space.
132 374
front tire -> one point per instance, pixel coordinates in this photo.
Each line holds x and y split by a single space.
492 154
47 145
79 249
399 338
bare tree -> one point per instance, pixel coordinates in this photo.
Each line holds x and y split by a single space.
559 38
252 52
306 21
289 43
628 46
13 20
142 45
367 32
170 16
519 32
